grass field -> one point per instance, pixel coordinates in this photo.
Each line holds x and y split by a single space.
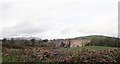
96 48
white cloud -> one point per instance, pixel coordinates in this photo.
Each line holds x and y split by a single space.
58 18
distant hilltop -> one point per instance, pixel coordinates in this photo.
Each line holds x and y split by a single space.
23 38
92 40
81 37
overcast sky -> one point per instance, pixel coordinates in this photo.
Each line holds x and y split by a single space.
58 18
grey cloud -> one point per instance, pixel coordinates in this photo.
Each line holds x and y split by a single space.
58 18
27 28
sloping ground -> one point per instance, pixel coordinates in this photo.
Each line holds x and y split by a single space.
78 42
93 36
99 40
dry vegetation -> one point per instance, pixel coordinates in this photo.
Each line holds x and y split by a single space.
44 54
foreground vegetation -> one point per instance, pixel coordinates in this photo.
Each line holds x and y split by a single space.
78 54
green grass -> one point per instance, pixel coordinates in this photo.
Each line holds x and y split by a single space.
97 48
73 49
9 59
0 59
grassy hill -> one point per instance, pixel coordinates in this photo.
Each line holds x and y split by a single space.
100 40
93 36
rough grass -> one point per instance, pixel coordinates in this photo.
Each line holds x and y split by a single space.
97 48
9 59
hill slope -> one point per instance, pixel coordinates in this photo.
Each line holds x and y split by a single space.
99 40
